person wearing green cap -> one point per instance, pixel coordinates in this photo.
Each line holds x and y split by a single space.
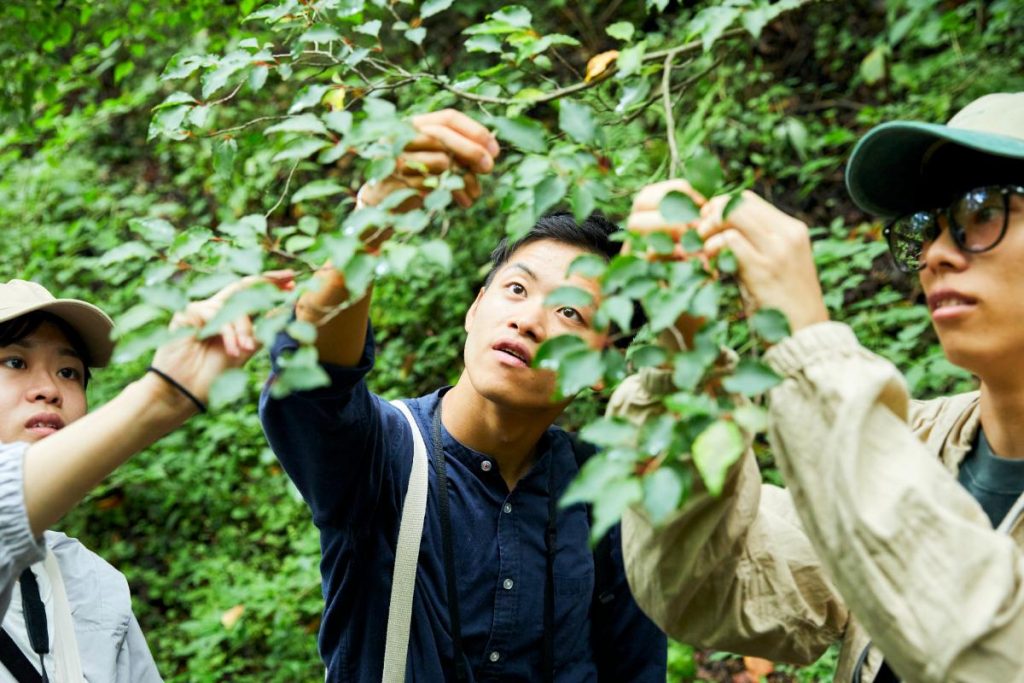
901 531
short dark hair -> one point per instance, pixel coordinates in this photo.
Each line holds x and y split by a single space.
593 235
13 331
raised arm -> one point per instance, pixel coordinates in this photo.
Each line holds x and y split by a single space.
446 140
62 468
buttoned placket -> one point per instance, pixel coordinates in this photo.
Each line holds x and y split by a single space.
506 598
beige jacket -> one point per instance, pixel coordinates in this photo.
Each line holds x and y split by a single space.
870 514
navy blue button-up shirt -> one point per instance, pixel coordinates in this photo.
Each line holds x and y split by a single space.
349 452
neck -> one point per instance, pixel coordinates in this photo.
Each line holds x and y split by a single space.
507 434
1002 417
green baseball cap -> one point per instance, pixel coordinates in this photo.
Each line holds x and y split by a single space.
897 167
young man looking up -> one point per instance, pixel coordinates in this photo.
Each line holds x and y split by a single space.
350 454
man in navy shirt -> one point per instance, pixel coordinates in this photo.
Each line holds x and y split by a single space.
505 604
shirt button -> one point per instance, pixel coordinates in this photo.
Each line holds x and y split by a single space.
507 508
494 656
486 467
508 583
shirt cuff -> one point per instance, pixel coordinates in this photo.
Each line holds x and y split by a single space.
825 340
18 546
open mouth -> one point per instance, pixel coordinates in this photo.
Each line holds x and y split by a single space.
44 423
947 300
514 350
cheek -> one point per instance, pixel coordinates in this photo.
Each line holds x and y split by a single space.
75 405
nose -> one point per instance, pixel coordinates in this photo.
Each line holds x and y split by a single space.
942 253
528 321
45 390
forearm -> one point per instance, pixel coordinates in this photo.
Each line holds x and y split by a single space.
341 325
61 469
939 591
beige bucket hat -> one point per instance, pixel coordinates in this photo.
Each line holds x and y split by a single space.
18 297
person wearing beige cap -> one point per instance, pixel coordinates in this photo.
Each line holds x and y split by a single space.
67 613
901 531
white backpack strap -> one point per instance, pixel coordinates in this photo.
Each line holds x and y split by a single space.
410 531
66 658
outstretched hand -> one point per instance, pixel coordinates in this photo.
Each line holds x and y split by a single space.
445 140
196 363
772 248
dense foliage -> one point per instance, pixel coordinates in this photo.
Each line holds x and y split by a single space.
149 150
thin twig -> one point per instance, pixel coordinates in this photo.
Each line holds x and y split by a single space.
284 194
260 119
670 119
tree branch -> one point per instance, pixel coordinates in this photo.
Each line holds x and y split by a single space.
670 119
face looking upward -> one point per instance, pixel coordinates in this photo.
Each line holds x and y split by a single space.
42 385
977 300
509 321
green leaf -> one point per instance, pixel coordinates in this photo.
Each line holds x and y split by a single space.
370 28
661 243
300 150
483 43
691 241
438 251
319 34
677 207
647 356
704 303
588 265
577 121
711 23
514 15
569 296
553 350
316 190
754 19
704 172
256 299
609 432
258 78
310 97
224 151
630 60
751 378
770 324
122 70
726 262
303 123
578 370
663 308
620 30
522 132
302 331
872 69
399 256
431 7
688 369
547 193
714 452
416 35
339 121
126 252
608 509
751 419
156 231
663 492
689 405
619 310
228 388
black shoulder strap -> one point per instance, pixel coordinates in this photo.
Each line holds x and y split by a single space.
603 570
15 661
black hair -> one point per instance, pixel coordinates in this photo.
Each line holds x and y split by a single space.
13 331
593 235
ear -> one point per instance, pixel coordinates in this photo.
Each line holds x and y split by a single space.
471 313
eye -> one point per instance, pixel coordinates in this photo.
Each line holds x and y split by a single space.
516 288
15 363
571 314
70 373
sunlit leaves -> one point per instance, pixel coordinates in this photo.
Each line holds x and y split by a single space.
432 7
524 133
714 452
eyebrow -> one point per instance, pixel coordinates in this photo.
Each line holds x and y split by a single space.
65 351
524 268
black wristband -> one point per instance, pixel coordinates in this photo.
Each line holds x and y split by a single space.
174 383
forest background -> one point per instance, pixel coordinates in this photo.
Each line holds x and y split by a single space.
148 150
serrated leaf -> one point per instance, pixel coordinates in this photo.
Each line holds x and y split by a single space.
578 370
431 7
569 296
300 150
370 28
521 132
258 78
317 189
770 324
620 30
677 207
577 120
228 388
751 378
704 172
310 97
303 123
547 193
714 452
663 491
224 151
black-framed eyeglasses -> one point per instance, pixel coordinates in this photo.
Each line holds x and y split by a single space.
977 222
